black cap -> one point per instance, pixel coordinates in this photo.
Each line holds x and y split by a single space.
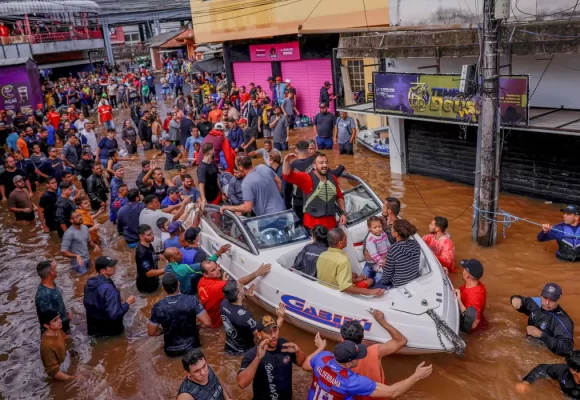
552 291
348 351
191 234
87 150
474 267
266 323
172 189
571 210
47 315
104 262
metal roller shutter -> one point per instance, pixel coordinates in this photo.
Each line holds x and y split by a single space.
440 150
258 73
307 77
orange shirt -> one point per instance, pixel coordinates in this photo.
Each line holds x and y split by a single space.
211 297
371 367
215 116
23 147
89 222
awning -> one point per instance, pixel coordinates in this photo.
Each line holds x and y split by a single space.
212 66
364 108
64 64
48 7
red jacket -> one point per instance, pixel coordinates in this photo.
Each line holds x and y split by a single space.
443 249
220 143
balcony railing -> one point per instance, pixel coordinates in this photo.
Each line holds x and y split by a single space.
75 34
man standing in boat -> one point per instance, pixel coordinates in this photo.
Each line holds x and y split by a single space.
566 234
321 191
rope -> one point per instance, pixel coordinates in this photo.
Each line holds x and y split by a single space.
508 220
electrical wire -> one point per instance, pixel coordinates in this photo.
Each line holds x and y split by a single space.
246 15
366 19
544 15
315 7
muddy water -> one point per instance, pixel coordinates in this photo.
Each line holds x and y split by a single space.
133 366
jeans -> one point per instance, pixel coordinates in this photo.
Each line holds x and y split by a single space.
81 269
281 146
370 273
109 124
324 143
346 148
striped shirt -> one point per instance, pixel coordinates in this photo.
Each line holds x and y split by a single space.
402 265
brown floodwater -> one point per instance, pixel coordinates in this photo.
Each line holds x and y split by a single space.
134 366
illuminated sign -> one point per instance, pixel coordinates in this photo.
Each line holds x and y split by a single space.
300 307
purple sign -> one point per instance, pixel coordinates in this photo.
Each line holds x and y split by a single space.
20 89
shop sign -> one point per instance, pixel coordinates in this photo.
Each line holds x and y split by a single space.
275 52
438 97
17 93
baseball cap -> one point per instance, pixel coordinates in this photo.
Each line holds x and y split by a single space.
39 106
117 166
552 291
104 262
174 227
191 234
287 81
279 78
474 267
48 315
571 210
172 189
17 178
242 121
219 126
86 150
348 351
266 323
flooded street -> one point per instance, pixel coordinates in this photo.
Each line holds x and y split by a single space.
134 366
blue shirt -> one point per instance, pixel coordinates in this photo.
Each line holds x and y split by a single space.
11 140
236 138
150 79
172 242
330 380
128 221
105 145
192 192
50 140
115 183
167 202
190 145
115 206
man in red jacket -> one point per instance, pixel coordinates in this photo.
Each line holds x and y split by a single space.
440 243
220 144
321 191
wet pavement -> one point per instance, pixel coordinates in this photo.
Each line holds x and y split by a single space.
134 366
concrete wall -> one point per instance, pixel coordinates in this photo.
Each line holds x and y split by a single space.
557 88
62 47
15 51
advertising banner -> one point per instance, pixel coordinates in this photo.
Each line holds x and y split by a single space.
438 96
17 91
275 52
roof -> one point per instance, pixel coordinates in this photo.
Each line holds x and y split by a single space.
14 61
179 40
48 7
158 40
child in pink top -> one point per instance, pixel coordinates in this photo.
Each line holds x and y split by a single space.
377 244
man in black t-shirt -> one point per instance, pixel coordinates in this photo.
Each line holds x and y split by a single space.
147 271
204 126
6 178
268 366
238 322
207 174
175 317
201 383
52 167
47 207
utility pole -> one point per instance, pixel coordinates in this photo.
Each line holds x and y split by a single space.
489 128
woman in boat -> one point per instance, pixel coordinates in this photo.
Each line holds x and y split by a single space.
403 257
306 260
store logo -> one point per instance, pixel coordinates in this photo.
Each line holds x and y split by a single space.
418 96
8 91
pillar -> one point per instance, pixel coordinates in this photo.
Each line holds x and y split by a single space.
108 46
157 26
397 146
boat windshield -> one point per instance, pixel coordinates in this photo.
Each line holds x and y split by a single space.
360 204
274 230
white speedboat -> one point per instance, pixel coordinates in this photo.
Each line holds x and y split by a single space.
425 310
376 140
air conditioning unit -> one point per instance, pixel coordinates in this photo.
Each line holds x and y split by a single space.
468 83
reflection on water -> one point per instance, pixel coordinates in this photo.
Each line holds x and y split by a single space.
133 366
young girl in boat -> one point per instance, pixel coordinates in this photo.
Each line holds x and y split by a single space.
377 244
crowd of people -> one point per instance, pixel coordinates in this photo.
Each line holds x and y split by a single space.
78 164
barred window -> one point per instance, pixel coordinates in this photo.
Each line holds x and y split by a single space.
356 74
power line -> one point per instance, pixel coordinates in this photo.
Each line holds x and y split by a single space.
245 15
545 15
315 7
366 19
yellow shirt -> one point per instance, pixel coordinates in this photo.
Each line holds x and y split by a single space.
333 269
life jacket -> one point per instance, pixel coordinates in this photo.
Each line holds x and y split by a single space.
322 201
569 246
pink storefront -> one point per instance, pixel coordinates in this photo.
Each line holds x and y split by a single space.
285 60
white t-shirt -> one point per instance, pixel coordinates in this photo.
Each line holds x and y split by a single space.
150 217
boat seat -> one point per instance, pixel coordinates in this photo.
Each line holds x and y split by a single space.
288 259
423 265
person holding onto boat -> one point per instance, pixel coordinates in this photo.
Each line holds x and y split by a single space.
321 192
567 375
566 234
403 258
333 375
548 323
334 270
472 296
268 366
371 366
440 243
239 324
212 282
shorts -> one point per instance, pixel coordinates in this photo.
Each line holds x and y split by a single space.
281 146
324 143
166 91
346 148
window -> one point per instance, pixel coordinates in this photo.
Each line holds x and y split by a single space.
132 37
226 227
356 74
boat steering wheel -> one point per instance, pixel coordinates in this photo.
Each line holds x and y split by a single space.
264 234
